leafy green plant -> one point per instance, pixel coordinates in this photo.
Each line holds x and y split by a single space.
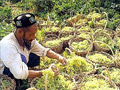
45 62
77 65
67 29
114 73
100 58
5 82
5 29
52 29
94 83
42 7
80 46
5 13
53 43
53 83
84 35
66 37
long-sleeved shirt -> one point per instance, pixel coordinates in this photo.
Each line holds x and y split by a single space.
10 51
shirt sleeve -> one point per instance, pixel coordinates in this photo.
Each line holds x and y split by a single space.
38 49
12 60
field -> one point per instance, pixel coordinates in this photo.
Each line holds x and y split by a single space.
87 33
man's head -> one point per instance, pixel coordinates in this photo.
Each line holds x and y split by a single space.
26 29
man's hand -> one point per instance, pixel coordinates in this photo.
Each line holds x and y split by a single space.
52 54
54 69
62 60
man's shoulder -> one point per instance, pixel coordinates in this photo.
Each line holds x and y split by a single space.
8 40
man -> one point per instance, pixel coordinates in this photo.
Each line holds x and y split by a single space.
20 50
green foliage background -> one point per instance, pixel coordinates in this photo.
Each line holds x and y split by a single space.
59 10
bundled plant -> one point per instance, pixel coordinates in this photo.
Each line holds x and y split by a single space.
52 41
72 20
117 41
114 75
48 80
96 82
85 29
65 39
6 83
85 35
51 30
118 29
117 59
103 41
110 32
81 22
78 65
100 23
80 46
93 15
46 62
101 58
67 29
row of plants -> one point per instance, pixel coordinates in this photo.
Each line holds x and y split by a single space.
61 10
5 29
79 74
92 52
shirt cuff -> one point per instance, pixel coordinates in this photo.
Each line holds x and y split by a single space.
45 52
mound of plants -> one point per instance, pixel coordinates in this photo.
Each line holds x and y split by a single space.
96 83
100 58
53 43
78 65
80 46
53 82
114 74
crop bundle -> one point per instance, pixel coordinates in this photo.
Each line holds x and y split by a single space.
114 75
100 23
117 40
80 46
45 62
94 14
85 35
81 22
78 65
110 32
117 59
102 41
48 80
6 83
52 41
118 29
100 58
97 82
72 20
51 30
85 29
65 39
68 30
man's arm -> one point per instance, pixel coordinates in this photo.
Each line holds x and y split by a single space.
52 54
33 74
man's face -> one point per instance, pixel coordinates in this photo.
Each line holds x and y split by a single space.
29 35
